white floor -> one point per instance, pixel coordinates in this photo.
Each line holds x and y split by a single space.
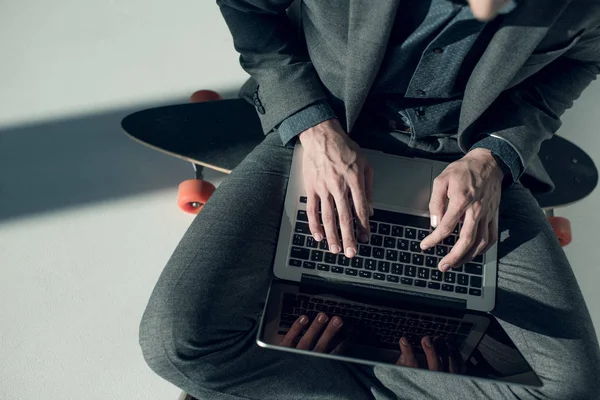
87 217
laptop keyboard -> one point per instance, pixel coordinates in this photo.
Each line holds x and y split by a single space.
392 255
378 327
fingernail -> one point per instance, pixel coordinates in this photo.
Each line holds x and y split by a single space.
318 237
335 248
337 322
303 319
322 318
371 210
428 341
434 221
404 342
444 267
350 252
424 246
364 237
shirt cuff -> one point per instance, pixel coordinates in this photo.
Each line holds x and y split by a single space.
505 152
302 120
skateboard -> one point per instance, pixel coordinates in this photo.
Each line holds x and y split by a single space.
218 134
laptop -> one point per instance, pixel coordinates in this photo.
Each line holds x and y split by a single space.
391 289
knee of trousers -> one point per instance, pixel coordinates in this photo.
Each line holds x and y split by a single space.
575 381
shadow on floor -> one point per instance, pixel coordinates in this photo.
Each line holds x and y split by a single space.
77 161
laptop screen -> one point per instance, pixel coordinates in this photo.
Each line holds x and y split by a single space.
394 333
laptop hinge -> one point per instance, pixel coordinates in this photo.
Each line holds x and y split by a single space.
381 295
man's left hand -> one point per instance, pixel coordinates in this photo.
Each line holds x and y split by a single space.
468 190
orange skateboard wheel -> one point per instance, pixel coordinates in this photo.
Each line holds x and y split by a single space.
205 95
562 229
193 195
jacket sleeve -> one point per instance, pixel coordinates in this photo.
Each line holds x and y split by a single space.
529 113
271 52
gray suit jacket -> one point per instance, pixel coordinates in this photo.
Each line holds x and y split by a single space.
538 62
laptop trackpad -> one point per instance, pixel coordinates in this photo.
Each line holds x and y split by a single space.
401 182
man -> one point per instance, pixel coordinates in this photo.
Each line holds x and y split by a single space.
480 83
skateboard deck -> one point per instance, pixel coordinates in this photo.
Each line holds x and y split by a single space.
219 135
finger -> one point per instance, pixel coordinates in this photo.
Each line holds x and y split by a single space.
441 348
430 354
331 330
407 358
313 332
329 223
456 210
294 332
346 222
438 201
314 220
456 361
482 241
369 181
465 243
492 232
361 207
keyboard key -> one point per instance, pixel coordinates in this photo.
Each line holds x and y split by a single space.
450 277
436 275
303 199
433 285
410 270
298 240
475 292
308 265
384 229
373 226
336 269
316 255
462 279
351 272
343 260
456 230
402 244
392 278
364 250
391 255
357 262
378 252
476 281
294 263
431 261
389 242
311 242
299 252
429 251
420 283
301 216
302 227
422 234
450 240
478 259
376 240
417 259
397 269
323 245
471 268
423 273
415 247
323 267
371 265
379 277
406 281
383 266
448 288
364 274
397 231
441 250
410 233
330 258
404 257
461 289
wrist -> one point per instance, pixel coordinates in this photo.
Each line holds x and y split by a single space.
318 131
489 161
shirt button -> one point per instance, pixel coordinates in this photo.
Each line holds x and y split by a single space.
421 92
438 50
420 112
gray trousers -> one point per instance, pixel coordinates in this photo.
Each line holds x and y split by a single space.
199 328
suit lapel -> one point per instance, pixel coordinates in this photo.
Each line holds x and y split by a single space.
370 25
508 50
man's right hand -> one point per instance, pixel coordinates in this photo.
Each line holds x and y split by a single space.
334 171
